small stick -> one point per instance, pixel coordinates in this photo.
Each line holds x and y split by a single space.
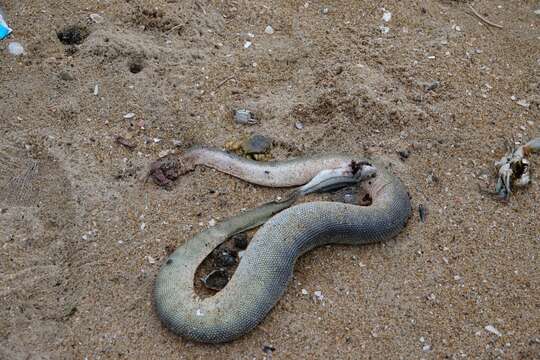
173 28
483 18
223 82
200 7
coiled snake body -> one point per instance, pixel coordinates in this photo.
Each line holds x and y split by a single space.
267 265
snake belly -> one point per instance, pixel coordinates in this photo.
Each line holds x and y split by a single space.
266 267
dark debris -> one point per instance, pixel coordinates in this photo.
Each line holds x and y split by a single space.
216 280
422 212
164 170
73 35
240 241
124 142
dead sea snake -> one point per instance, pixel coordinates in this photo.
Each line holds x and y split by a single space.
267 264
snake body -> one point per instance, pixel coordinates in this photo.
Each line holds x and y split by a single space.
267 265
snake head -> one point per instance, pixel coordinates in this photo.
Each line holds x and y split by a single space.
333 179
363 170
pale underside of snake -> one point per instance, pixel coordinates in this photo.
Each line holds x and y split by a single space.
286 233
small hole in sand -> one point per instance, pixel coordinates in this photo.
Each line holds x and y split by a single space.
136 66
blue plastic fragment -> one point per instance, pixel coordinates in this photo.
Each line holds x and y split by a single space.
4 28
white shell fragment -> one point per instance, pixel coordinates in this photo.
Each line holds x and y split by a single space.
318 295
269 30
98 19
15 48
493 330
523 103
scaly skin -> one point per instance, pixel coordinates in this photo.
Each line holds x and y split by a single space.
267 265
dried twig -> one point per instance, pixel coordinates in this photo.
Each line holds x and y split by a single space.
223 82
483 18
200 7
173 28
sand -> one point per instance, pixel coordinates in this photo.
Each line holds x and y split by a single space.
82 236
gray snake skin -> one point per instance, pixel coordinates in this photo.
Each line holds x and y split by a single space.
267 265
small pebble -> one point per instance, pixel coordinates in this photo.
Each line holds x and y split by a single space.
269 30
404 154
299 125
426 348
432 86
212 222
257 144
176 142
64 75
304 292
244 117
247 44
216 280
318 295
387 16
15 48
267 349
96 90
129 115
150 259
224 257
